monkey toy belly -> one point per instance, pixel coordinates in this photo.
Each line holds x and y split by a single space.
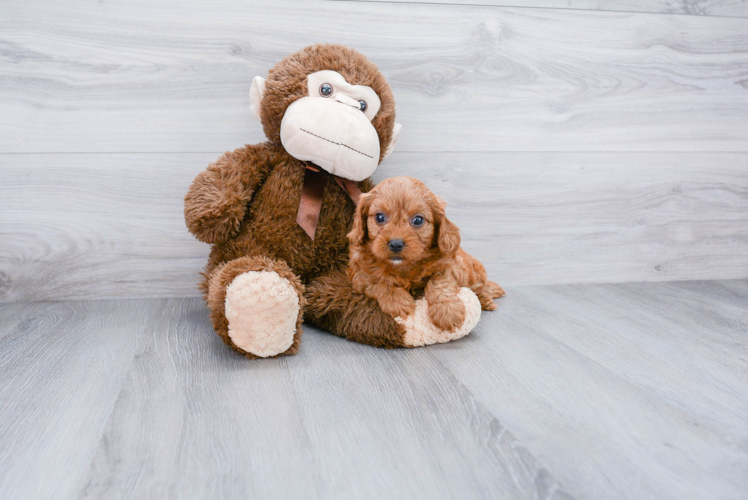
270 228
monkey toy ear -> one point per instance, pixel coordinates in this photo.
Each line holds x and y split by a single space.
393 142
255 96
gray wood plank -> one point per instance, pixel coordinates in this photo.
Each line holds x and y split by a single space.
142 76
93 226
61 368
97 226
193 419
614 391
729 8
541 218
624 391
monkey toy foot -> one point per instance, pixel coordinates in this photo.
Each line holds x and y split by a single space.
256 305
262 308
420 331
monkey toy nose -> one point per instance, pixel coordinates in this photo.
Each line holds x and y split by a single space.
396 245
347 100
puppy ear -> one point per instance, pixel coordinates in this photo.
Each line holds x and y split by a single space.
359 234
447 234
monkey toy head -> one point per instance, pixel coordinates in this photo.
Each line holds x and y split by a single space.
329 105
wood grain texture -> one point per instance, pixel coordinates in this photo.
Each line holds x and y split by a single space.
584 391
97 226
623 391
187 417
542 218
145 76
111 225
729 8
61 368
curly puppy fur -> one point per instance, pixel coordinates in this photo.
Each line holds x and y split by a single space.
403 243
245 205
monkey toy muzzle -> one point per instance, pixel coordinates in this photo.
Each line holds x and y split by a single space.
333 134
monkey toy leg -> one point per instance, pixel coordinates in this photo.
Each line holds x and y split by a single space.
333 305
256 306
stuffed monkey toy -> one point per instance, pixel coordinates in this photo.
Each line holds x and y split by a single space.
277 213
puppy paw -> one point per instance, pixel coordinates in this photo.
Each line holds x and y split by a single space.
420 331
398 304
493 290
448 315
489 305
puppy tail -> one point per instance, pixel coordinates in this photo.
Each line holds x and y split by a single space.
494 290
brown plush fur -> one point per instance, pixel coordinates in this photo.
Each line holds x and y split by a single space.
336 307
245 205
431 259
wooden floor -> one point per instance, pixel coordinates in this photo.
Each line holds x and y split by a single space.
582 391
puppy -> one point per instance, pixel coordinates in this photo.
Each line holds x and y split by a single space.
402 244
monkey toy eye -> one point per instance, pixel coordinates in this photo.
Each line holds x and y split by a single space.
325 90
380 218
363 105
418 220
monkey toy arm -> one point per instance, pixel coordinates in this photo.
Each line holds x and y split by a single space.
332 303
217 200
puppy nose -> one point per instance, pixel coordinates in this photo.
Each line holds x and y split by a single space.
396 245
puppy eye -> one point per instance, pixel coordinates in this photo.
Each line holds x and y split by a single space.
418 220
363 105
380 218
325 90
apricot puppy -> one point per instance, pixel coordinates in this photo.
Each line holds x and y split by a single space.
403 244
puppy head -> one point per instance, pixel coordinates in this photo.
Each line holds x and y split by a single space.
401 222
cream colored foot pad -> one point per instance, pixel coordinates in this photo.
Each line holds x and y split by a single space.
262 309
419 330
